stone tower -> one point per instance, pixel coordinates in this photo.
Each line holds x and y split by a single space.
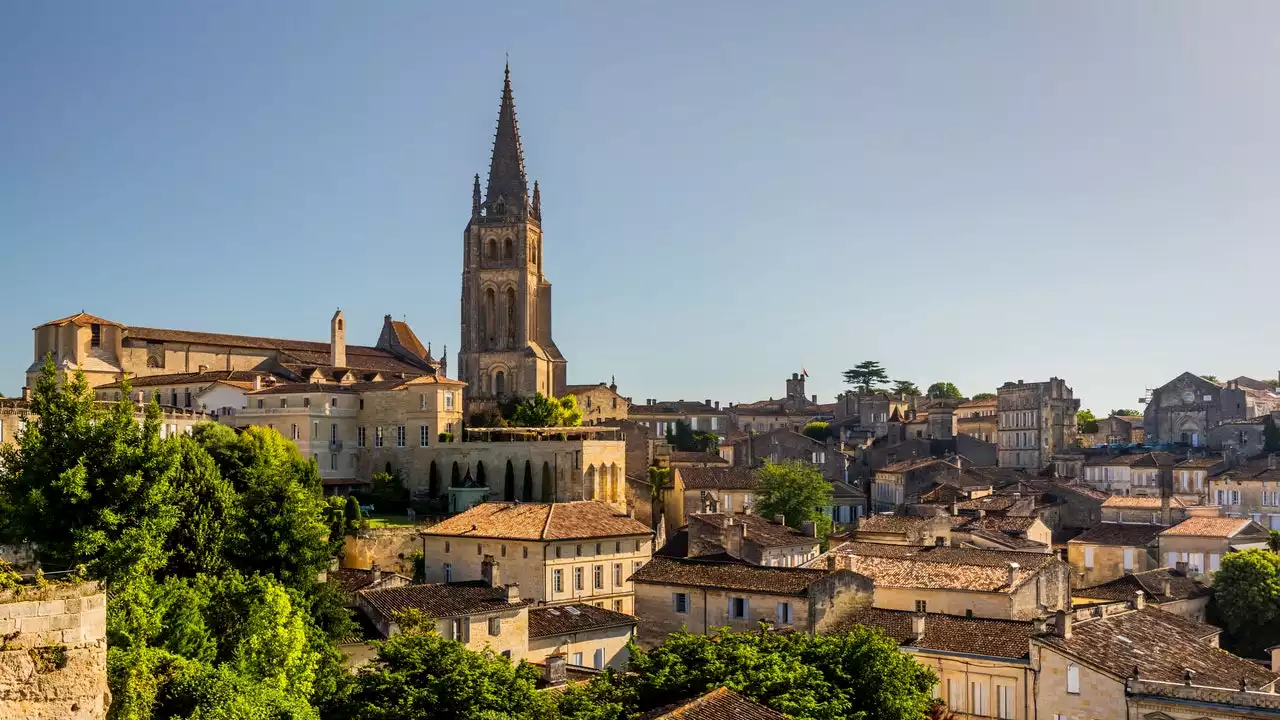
507 348
337 341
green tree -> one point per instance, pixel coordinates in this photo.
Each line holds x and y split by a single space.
387 492
684 439
1246 598
905 387
543 411
817 430
209 510
794 489
1210 378
1270 435
351 515
860 673
1273 541
1086 422
944 391
984 396
866 376
89 485
420 676
1124 412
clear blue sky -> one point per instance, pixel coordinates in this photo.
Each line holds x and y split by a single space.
965 191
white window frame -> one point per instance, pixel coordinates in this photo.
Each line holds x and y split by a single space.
557 580
400 436
1073 679
424 432
360 436
377 436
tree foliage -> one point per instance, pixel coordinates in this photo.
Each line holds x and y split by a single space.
1270 435
794 489
944 391
1125 412
1086 422
867 376
818 430
685 439
1246 598
984 396
543 411
905 387
860 673
1210 378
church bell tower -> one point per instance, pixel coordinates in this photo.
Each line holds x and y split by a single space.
507 350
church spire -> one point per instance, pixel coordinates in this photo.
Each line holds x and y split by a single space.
537 202
475 198
507 183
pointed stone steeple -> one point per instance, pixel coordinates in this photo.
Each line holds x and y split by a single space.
537 201
508 186
475 198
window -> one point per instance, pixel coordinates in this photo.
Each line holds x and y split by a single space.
577 578
479 548
577 659
597 659
577 550
784 613
597 577
599 548
1004 702
260 403
333 462
680 602
306 402
95 335
1088 558
1213 562
504 551
737 608
293 431
617 574
922 606
459 629
557 551
955 695
284 402
977 698
399 436
495 626
333 432
423 432
617 606
448 572
333 402
377 436
557 580
446 547
1073 679
1128 558
617 546
360 436
448 400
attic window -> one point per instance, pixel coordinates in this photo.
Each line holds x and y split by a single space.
95 335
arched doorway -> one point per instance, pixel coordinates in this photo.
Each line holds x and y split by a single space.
509 483
548 484
526 489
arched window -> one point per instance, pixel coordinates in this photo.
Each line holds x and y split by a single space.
489 320
500 383
507 251
491 250
339 323
511 316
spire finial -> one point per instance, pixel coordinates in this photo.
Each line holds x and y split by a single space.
475 198
537 201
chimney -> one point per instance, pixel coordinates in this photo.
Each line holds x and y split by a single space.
1041 624
917 627
554 673
815 398
257 382
1165 589
1139 600
489 572
1188 675
1013 573
735 534
203 368
809 528
707 402
717 404
513 593
1062 625
780 519
375 574
337 341
26 393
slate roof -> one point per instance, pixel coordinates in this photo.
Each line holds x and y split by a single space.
1217 527
719 704
539 521
719 478
441 600
1126 534
1151 583
579 617
727 576
1161 645
947 633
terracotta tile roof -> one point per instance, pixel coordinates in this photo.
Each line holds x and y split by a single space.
1133 502
1219 527
405 384
1008 541
1125 534
579 617
990 503
761 531
408 339
680 456
857 547
727 576
947 633
353 579
673 407
1113 460
1151 583
977 557
1161 645
1201 462
719 478
195 378
719 704
540 521
441 600
908 465
1157 459
1002 523
80 318
912 573
895 523
975 404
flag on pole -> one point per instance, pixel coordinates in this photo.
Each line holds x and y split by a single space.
804 373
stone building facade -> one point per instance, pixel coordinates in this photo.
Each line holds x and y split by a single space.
599 403
15 414
1036 420
507 348
1187 408
661 416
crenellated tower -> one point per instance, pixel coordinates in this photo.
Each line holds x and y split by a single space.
507 348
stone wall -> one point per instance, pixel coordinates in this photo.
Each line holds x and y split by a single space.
53 653
391 548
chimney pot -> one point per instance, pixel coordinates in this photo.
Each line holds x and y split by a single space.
26 393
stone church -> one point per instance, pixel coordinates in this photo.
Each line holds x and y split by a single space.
507 348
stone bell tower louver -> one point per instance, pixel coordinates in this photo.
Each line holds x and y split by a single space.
507 348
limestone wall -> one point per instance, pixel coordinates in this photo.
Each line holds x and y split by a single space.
53 653
391 548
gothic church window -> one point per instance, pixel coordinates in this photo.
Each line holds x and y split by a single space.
491 250
511 316
507 251
489 319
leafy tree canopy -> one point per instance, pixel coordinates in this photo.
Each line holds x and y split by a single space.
905 387
944 391
1086 422
684 438
867 376
1270 435
794 489
543 411
984 396
1210 378
818 430
1246 597
1125 412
